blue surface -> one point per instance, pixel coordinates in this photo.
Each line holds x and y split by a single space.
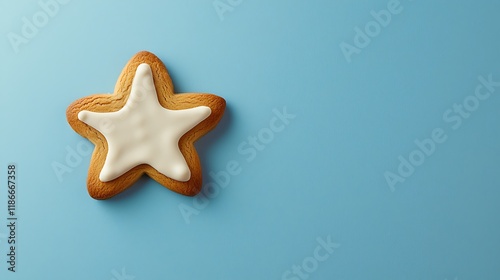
322 177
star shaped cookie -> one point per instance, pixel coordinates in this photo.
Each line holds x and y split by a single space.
144 128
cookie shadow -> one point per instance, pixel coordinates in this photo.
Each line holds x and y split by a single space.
214 137
130 192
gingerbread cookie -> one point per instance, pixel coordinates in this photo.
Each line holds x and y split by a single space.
144 128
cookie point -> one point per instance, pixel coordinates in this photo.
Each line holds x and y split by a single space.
82 115
104 177
101 178
206 110
143 68
182 173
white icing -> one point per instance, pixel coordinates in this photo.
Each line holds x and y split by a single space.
143 132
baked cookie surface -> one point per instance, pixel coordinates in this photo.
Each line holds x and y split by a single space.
144 128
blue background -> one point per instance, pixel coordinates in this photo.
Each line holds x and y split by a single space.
323 175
